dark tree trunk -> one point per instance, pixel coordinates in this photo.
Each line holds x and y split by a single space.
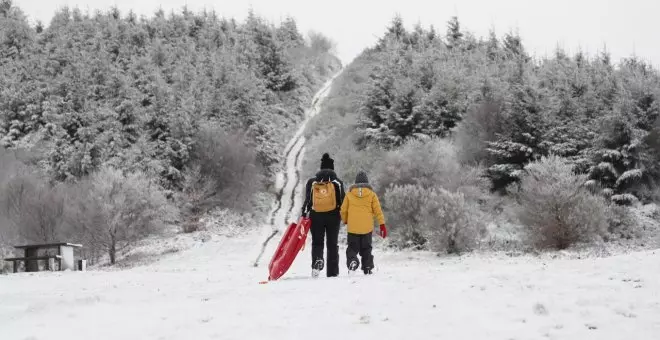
113 250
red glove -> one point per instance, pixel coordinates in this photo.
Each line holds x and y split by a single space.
383 231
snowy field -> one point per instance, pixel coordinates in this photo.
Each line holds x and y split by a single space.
211 291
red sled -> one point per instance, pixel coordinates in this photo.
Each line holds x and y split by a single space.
292 242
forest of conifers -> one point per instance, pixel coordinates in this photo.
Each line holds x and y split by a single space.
113 125
467 136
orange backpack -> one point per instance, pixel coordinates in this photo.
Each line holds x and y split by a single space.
324 198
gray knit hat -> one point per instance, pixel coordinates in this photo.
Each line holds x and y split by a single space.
361 178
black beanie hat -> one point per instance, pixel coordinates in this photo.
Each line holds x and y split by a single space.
361 178
327 162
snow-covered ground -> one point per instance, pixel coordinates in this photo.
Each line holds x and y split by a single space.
211 290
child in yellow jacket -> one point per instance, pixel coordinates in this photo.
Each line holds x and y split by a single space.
358 210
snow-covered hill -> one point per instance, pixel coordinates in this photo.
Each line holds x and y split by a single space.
212 292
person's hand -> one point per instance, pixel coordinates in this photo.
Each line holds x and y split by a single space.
383 231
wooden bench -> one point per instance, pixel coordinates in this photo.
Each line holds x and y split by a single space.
64 256
50 264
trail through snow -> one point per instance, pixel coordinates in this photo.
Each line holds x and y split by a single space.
210 291
290 184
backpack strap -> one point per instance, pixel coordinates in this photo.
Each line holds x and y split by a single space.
311 191
338 184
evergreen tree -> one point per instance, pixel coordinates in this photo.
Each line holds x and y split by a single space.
522 141
513 46
431 35
288 33
454 33
493 46
396 32
16 35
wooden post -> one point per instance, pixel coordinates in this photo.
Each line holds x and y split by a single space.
82 265
50 265
16 263
33 265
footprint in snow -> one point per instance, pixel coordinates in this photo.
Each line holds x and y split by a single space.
540 309
625 313
365 319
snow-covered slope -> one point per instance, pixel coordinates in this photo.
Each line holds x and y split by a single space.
289 200
211 291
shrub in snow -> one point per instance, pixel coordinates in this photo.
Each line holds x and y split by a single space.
228 222
35 209
30 208
417 162
110 210
452 224
224 172
655 212
555 206
622 223
430 164
440 220
402 206
648 193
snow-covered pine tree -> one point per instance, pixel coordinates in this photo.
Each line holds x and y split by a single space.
492 46
625 161
513 46
522 140
454 34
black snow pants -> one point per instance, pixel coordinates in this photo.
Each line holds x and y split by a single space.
326 225
360 244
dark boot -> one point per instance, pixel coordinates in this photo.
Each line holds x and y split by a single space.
317 267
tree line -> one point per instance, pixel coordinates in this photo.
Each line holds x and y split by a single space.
515 108
192 105
469 123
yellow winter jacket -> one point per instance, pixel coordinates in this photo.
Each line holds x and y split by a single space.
359 208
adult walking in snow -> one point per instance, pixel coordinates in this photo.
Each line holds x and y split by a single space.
324 194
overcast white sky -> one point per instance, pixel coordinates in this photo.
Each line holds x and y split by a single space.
625 26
